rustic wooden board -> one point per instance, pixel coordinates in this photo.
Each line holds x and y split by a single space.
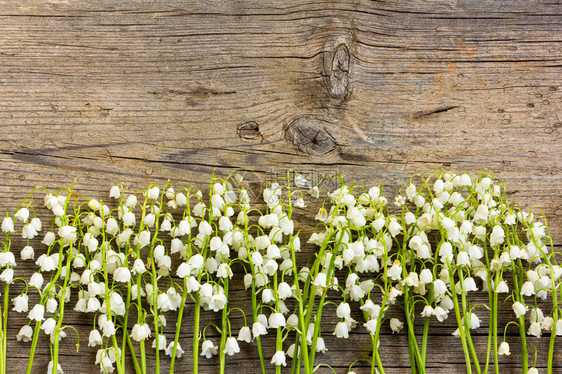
142 92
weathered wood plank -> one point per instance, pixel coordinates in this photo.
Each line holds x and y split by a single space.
142 92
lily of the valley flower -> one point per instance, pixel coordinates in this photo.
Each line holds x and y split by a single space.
396 325
208 349
231 347
258 329
504 349
7 225
245 334
279 358
25 334
519 309
37 313
50 368
140 332
178 350
342 330
95 338
21 303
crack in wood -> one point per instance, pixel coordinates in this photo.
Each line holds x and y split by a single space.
200 92
426 113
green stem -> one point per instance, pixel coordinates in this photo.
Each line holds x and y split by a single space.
33 346
197 313
3 360
279 338
255 316
117 357
178 326
494 322
413 345
493 300
551 343
133 354
140 322
375 342
459 321
471 347
320 306
296 361
522 332
376 358
467 321
5 326
61 311
120 368
381 312
379 362
156 320
411 348
224 332
124 326
492 329
424 339
524 351
278 347
129 344
141 317
555 317
373 354
303 354
412 355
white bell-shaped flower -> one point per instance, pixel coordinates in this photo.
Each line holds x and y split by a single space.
396 325
22 215
535 329
341 330
7 225
21 303
258 329
140 332
122 274
245 334
25 334
278 358
276 320
94 338
49 326
231 347
37 313
208 349
50 368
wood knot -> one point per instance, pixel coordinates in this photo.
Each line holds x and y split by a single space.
249 130
336 71
311 136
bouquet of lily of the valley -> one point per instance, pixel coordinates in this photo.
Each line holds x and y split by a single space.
139 259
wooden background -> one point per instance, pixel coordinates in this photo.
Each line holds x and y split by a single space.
143 91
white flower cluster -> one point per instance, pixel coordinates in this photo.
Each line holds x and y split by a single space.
445 239
461 235
121 258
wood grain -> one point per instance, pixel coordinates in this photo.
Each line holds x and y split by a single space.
140 92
